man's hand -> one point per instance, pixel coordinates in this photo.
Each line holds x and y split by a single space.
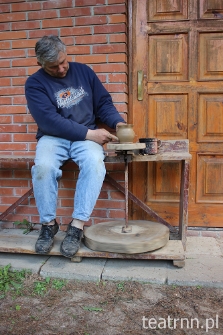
100 136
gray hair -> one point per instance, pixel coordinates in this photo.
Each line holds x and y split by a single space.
47 49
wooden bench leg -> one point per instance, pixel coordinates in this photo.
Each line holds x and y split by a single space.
184 196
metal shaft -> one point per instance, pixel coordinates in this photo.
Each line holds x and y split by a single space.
126 192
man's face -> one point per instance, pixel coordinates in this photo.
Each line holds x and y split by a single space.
59 68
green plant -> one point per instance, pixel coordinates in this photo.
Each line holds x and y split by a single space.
58 284
121 286
27 224
92 309
11 279
40 287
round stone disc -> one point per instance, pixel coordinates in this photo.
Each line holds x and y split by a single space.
108 236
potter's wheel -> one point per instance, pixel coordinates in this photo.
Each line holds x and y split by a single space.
130 237
144 236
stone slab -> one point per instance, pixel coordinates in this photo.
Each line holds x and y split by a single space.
197 246
202 271
20 261
151 271
61 267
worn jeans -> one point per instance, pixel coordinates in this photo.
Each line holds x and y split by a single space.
51 153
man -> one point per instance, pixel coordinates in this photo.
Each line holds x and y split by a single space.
65 99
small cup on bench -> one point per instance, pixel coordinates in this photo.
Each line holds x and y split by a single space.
152 146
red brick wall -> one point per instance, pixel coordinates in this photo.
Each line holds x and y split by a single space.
95 32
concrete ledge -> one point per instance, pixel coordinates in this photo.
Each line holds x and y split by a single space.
21 261
202 271
150 271
61 267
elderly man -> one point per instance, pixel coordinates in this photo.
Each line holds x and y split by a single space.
65 99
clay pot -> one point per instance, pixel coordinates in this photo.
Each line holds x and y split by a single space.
125 133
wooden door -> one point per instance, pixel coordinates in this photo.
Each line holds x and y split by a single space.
178 44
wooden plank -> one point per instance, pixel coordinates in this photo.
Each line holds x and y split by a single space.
14 241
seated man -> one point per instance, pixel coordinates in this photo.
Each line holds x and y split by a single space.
65 98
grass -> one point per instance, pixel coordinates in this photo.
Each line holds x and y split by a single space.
14 281
11 280
28 226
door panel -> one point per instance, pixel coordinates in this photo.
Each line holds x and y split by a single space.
179 47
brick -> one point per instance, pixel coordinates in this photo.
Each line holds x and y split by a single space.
43 14
24 62
78 50
4 26
13 35
12 53
112 48
119 97
117 18
68 40
110 204
12 90
6 191
4 8
24 138
89 2
91 39
122 108
5 63
18 100
110 68
57 23
8 200
116 214
25 7
32 128
9 17
117 1
117 195
14 146
22 174
112 9
23 44
5 119
23 118
114 87
12 109
12 72
32 70
117 58
5 82
111 28
12 128
90 59
18 81
90 20
5 45
75 31
72 12
40 33
22 190
117 77
118 38
5 100
57 4
103 78
5 138
25 25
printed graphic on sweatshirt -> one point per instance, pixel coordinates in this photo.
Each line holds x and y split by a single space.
69 97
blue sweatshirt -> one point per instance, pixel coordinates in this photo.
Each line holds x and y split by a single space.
67 107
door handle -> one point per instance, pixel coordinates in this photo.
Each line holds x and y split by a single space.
140 85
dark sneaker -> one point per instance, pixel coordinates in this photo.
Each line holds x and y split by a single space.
71 243
45 241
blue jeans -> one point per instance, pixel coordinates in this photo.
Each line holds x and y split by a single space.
51 153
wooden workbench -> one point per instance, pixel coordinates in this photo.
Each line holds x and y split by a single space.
13 240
